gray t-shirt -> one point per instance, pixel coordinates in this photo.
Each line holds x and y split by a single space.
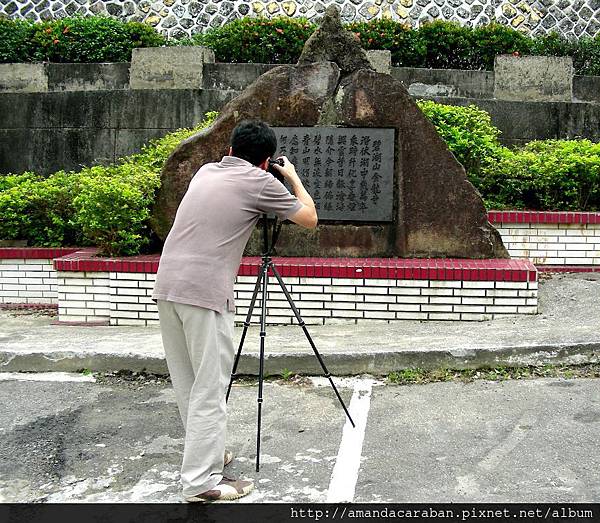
215 218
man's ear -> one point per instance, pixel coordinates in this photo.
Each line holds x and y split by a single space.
230 151
265 165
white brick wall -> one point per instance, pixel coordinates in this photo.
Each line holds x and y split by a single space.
130 299
27 281
125 299
388 300
553 244
116 298
32 281
83 297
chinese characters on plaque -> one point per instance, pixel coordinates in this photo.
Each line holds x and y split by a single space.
348 171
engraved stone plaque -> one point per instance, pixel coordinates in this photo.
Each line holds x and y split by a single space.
348 171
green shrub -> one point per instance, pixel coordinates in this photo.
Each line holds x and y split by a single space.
154 155
113 203
585 51
437 44
75 39
92 39
8 181
111 210
258 40
448 45
586 56
468 132
37 210
552 44
543 175
406 48
547 175
495 39
107 207
15 40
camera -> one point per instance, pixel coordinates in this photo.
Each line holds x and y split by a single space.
275 172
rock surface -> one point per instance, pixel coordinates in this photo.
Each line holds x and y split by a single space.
331 43
438 213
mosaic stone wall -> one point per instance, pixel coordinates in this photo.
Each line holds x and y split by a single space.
574 18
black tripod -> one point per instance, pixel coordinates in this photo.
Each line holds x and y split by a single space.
263 278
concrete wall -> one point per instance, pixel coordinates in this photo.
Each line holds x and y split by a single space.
419 82
44 77
521 122
66 130
176 18
223 76
83 114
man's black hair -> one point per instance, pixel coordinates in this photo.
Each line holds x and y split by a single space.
253 141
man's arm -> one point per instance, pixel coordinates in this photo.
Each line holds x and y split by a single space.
307 214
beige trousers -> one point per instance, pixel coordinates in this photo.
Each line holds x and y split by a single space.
199 350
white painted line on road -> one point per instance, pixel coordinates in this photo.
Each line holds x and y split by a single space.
45 376
341 382
498 454
347 464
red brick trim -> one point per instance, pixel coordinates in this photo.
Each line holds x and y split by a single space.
35 253
568 268
35 306
544 217
391 268
85 261
400 268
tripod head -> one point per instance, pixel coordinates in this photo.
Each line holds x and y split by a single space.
271 227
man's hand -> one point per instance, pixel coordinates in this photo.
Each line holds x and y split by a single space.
288 171
307 215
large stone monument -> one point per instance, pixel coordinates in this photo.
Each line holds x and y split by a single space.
414 196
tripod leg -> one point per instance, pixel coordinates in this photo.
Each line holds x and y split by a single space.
261 368
243 338
310 340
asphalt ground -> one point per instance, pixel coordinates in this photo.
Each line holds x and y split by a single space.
68 438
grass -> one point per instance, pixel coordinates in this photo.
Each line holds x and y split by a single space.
422 376
400 377
286 374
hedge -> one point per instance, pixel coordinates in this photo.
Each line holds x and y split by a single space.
109 206
547 175
437 44
259 40
74 39
469 134
552 175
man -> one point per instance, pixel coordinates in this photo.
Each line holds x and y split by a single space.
194 292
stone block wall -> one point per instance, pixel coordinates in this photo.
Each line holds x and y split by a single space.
177 18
